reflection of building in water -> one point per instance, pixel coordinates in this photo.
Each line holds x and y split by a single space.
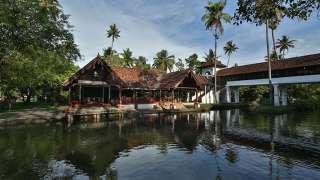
233 118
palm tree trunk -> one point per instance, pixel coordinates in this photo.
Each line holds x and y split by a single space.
269 64
228 61
111 53
274 43
215 64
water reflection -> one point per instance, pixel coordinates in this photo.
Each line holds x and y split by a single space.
211 145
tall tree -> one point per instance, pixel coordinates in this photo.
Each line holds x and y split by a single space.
193 62
127 57
229 49
179 64
114 33
163 61
142 62
260 12
213 18
284 44
37 49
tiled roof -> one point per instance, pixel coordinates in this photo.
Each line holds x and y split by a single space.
302 61
138 78
211 64
172 80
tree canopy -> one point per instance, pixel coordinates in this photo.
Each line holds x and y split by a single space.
163 61
37 48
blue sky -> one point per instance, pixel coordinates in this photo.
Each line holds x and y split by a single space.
147 26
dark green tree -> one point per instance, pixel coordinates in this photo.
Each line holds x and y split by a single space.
179 64
37 49
284 44
193 62
163 61
229 49
141 62
127 58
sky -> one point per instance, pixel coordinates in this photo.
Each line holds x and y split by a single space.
148 26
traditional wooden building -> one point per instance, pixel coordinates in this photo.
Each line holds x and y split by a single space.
98 84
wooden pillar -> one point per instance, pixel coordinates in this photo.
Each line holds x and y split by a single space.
102 94
172 95
69 96
80 93
135 99
120 96
109 93
160 96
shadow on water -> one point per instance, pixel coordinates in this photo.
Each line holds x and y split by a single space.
211 145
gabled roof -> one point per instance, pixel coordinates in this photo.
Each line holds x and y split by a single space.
91 65
211 64
174 79
295 62
139 78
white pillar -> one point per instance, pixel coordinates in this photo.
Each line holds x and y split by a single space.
188 97
236 95
276 95
284 96
228 94
205 95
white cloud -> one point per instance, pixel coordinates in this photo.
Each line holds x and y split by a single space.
149 26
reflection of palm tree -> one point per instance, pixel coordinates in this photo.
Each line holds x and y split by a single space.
232 155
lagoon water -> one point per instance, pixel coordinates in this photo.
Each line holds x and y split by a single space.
213 145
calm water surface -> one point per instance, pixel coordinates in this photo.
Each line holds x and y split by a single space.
213 145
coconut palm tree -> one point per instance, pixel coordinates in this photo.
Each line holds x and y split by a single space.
163 61
114 33
284 44
229 49
127 57
213 18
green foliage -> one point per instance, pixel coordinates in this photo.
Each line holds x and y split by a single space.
229 49
250 94
114 33
179 64
259 11
163 61
284 44
37 49
141 62
214 16
193 62
127 58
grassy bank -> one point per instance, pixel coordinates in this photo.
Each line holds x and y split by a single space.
23 106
